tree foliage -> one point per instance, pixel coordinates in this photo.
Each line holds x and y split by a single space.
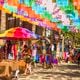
73 37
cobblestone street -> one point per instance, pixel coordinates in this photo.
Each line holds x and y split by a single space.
63 72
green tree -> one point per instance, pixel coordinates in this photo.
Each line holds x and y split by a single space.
73 37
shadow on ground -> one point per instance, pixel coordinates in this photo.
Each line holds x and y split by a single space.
4 78
70 67
63 71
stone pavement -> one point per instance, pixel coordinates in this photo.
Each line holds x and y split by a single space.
63 72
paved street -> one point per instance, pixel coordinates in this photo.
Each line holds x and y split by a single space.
63 72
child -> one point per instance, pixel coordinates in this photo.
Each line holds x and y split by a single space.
42 59
55 62
27 59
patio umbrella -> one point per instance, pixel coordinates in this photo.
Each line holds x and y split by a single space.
18 33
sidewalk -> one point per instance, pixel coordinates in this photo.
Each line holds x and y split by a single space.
63 72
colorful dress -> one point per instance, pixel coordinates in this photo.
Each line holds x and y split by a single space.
55 61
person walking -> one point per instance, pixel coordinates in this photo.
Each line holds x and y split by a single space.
34 53
27 58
